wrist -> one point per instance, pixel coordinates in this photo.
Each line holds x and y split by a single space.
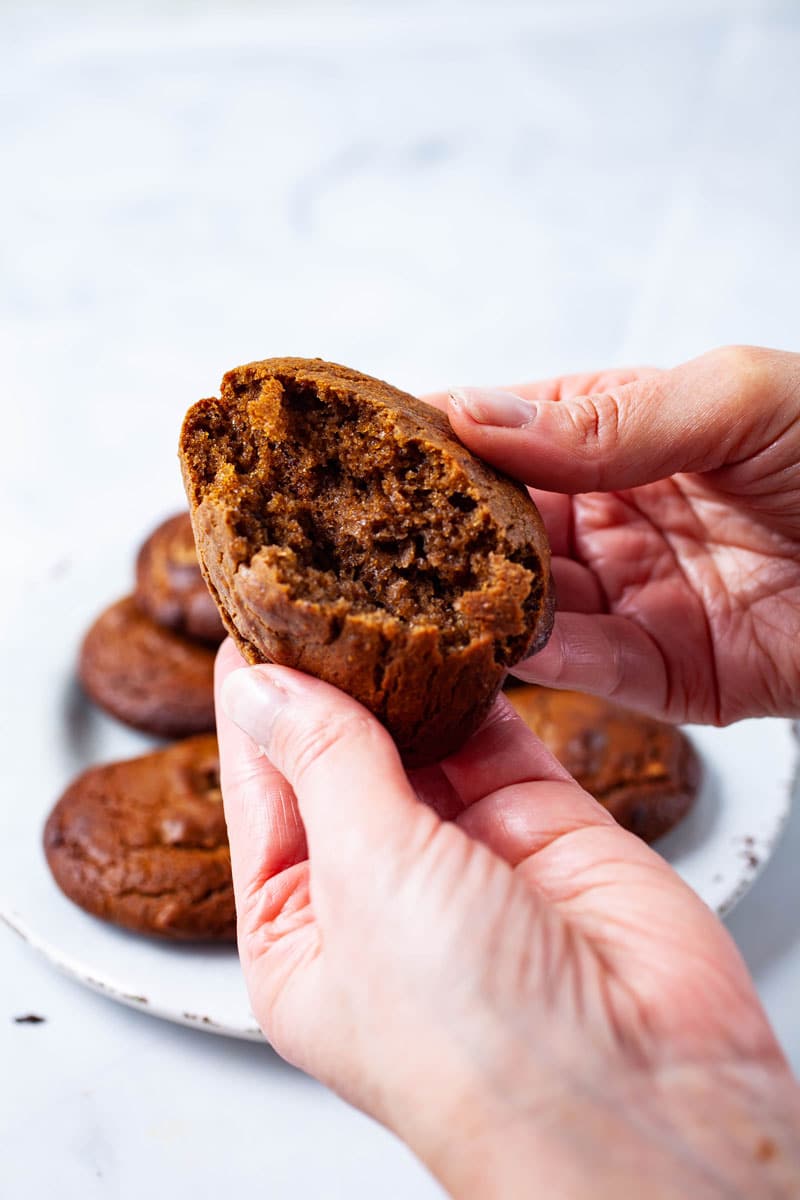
740 1121
704 1131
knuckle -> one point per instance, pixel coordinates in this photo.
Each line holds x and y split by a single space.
617 673
596 420
746 367
595 434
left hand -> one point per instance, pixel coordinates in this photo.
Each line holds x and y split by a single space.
672 504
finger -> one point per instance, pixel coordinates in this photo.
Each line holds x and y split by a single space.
608 656
561 387
352 791
556 512
581 383
697 417
520 821
517 796
577 588
440 400
502 753
264 828
432 787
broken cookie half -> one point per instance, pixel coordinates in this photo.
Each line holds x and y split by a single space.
345 531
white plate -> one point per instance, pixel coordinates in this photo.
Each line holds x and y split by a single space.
50 733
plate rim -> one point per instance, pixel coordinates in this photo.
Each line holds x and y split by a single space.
100 981
107 984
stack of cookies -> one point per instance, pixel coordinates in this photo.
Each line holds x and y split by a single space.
143 843
149 659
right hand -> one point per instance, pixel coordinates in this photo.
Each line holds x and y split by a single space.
527 994
672 501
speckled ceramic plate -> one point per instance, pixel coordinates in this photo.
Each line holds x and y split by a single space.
50 733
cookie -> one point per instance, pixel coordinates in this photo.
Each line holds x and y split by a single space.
148 676
169 584
645 772
143 844
345 531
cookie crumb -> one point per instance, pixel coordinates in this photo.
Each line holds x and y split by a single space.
29 1019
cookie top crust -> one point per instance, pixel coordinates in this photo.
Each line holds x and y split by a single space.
143 844
170 587
147 676
645 772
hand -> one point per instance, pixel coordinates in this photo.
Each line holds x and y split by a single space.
525 993
672 501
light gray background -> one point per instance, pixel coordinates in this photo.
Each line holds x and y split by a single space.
438 193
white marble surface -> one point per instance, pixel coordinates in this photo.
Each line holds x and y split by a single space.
435 193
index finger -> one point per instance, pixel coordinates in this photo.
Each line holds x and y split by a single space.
503 752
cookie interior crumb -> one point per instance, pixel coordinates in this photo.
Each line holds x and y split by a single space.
342 506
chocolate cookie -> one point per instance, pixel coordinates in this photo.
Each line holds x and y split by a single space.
169 584
148 676
143 843
344 530
645 772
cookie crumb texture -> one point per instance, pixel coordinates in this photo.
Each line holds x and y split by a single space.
143 844
170 587
644 771
147 676
344 531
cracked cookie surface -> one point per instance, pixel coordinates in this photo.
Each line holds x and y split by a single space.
345 531
170 587
147 676
645 772
143 844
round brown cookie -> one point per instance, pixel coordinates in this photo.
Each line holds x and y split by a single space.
645 772
143 843
169 583
148 676
345 531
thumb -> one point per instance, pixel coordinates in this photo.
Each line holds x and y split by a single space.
715 410
344 769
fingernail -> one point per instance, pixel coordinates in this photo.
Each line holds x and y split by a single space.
253 700
488 406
